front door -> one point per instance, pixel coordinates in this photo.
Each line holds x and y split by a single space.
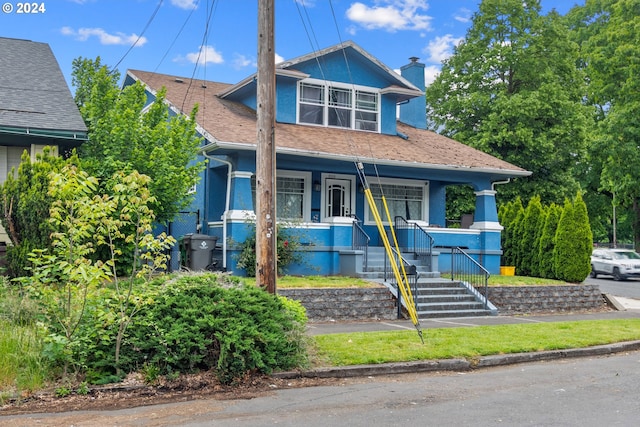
337 197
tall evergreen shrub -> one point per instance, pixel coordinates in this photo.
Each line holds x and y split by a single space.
574 242
547 241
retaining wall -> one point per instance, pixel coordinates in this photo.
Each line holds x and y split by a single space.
546 299
346 304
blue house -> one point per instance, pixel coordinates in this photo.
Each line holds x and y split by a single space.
335 109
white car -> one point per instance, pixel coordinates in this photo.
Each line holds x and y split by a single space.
619 263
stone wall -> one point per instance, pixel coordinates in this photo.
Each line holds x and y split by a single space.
545 299
344 303
348 304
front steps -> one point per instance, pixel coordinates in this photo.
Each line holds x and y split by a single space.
435 297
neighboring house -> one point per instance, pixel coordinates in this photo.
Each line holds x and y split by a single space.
36 106
335 108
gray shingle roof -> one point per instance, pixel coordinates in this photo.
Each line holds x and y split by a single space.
33 91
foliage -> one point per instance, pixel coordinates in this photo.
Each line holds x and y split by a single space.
547 244
66 281
528 261
608 33
287 249
448 343
512 89
574 243
510 215
126 134
460 200
201 322
25 206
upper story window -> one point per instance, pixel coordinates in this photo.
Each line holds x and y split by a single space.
338 105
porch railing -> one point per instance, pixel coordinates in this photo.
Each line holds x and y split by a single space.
360 240
414 239
411 272
466 269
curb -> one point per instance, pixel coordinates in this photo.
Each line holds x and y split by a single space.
458 365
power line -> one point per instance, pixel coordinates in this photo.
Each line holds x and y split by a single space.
153 15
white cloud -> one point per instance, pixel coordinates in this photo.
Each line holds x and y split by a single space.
430 74
206 55
441 47
241 61
184 4
391 15
83 34
463 15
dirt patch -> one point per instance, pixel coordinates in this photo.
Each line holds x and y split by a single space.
133 392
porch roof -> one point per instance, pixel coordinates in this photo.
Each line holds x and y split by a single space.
232 125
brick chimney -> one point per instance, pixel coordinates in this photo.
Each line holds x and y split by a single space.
414 112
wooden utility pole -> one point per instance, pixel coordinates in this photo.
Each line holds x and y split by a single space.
266 257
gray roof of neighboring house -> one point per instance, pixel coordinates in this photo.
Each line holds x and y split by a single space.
34 96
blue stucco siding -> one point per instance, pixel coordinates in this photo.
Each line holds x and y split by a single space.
486 210
286 101
388 120
437 203
359 71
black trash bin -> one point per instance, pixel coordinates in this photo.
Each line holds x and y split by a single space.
198 250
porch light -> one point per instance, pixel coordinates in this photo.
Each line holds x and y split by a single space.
317 186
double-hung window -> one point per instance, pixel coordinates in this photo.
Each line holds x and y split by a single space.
292 195
337 105
406 199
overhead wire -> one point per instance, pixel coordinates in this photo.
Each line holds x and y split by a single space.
177 36
211 8
151 18
401 279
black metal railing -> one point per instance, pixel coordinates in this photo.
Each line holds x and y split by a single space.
360 240
405 267
466 269
414 239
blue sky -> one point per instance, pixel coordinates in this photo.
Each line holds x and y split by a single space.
217 39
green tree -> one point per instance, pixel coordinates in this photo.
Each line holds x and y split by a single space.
532 227
508 215
25 208
126 135
66 278
574 242
608 32
513 90
547 241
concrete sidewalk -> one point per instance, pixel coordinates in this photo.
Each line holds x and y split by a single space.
627 308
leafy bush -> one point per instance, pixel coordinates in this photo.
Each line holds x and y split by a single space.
288 251
206 321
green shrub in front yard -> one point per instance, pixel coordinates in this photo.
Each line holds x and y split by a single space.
210 321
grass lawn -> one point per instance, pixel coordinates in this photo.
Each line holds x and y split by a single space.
287 282
469 342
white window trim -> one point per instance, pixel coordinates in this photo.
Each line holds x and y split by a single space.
397 181
323 178
325 107
306 198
